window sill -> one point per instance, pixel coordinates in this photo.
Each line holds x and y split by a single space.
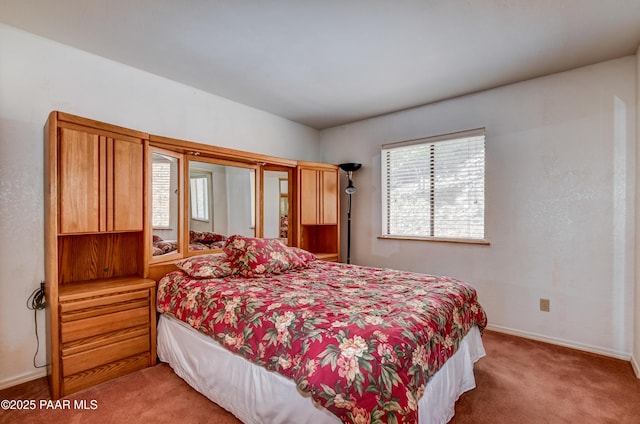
437 239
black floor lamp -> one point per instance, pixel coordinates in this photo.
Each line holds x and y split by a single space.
349 168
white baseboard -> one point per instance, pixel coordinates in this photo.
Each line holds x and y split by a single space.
14 381
635 366
560 342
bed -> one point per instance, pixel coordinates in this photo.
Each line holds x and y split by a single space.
336 342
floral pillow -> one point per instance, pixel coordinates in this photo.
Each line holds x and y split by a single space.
304 255
198 246
166 245
205 237
254 257
206 266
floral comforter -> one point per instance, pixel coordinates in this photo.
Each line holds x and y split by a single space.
362 341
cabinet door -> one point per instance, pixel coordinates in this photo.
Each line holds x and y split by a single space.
127 203
101 183
329 198
318 197
309 201
79 181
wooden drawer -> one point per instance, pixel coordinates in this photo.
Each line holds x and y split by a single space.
71 330
94 342
110 351
106 328
103 310
329 257
97 375
98 302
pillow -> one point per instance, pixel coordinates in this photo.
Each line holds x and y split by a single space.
166 245
156 238
205 237
304 255
206 266
254 257
198 246
217 245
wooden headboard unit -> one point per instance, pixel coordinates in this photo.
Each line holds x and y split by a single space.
157 271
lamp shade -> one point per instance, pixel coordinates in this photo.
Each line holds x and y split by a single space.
350 167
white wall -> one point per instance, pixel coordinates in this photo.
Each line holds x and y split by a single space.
38 76
635 361
559 202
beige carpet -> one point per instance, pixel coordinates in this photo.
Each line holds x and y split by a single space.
519 381
524 381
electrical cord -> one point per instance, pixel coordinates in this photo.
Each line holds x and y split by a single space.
37 302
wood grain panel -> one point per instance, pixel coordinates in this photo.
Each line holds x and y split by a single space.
83 361
323 239
51 229
78 312
103 184
106 372
329 197
308 197
208 151
78 181
328 257
153 319
68 120
95 256
157 271
78 346
109 286
128 184
318 202
108 184
83 328
101 317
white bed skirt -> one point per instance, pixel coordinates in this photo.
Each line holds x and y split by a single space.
256 395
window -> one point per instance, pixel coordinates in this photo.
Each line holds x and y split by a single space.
433 187
199 192
160 192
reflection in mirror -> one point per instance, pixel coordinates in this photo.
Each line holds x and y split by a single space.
276 205
165 205
221 203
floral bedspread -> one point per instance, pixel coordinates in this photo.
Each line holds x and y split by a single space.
362 341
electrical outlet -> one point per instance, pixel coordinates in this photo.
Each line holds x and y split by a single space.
544 305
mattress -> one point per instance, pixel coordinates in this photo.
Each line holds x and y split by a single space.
256 395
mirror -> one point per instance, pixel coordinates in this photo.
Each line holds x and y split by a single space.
166 203
276 204
222 202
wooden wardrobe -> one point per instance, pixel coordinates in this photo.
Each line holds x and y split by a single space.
101 310
319 210
101 319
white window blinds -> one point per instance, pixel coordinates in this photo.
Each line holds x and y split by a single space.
160 194
434 187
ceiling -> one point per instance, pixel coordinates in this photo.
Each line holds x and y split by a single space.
324 62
